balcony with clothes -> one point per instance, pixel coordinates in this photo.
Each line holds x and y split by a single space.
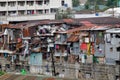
12 13
3 13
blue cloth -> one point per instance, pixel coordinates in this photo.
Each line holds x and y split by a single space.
5 55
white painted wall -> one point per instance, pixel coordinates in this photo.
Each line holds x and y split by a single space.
25 8
31 17
112 56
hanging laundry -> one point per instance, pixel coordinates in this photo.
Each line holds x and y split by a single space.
92 38
6 32
11 35
40 31
87 40
83 46
100 50
100 34
83 60
108 38
26 51
95 60
57 46
43 31
88 49
48 49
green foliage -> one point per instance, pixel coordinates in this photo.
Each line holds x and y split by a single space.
97 8
111 3
63 13
23 72
86 6
75 3
2 73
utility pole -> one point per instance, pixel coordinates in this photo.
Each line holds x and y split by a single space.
53 63
113 9
95 6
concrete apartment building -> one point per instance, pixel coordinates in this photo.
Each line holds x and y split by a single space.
23 10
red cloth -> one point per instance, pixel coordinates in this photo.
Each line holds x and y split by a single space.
83 46
57 46
26 32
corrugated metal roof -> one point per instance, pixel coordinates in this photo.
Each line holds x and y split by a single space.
101 20
73 38
86 28
68 20
34 23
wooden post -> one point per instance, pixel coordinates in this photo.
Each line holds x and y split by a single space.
53 64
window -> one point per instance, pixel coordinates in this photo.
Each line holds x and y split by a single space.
118 49
3 13
22 12
111 49
30 3
46 2
53 10
46 11
12 13
2 4
39 11
11 4
21 3
63 2
39 2
117 36
30 12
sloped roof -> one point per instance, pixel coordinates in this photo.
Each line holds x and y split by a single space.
101 20
108 21
34 23
73 38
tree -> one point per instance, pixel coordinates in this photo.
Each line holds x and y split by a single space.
63 13
86 6
111 3
75 3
